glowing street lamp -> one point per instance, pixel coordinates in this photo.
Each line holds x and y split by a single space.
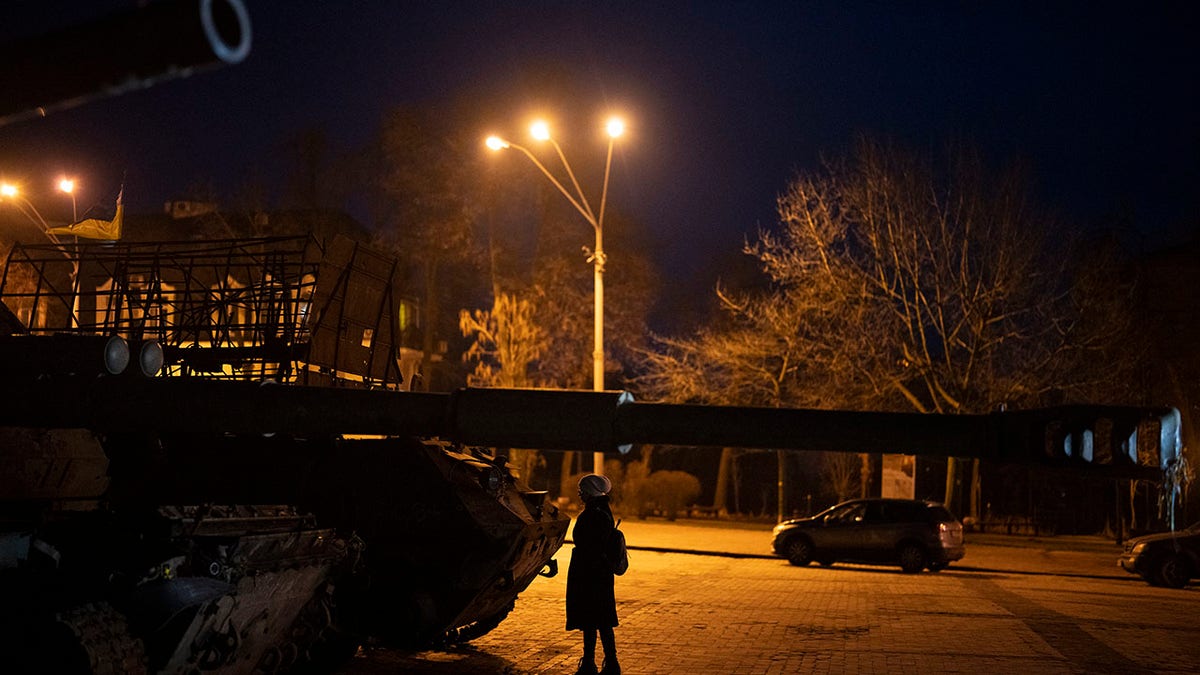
540 131
67 185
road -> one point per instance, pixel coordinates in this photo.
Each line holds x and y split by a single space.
1012 605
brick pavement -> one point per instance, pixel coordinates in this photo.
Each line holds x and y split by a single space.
685 613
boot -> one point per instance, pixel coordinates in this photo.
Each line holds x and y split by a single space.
586 667
610 666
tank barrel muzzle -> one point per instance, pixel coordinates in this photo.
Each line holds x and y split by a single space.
119 53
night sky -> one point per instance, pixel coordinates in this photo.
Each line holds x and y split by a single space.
724 101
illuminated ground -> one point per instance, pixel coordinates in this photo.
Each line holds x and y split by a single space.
1013 605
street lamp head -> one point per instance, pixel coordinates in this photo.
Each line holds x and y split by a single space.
496 143
8 190
615 127
540 131
66 185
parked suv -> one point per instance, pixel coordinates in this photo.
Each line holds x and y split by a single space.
1169 559
911 533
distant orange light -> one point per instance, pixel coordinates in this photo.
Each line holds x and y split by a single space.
66 185
496 143
8 190
615 127
540 131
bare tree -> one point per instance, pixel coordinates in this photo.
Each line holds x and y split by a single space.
946 272
900 283
506 340
841 469
753 360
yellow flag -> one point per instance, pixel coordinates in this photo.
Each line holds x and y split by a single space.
94 228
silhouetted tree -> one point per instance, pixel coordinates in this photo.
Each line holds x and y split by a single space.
901 283
426 174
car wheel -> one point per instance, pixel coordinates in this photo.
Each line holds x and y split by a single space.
799 551
1173 571
912 558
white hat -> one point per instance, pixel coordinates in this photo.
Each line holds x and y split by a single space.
594 485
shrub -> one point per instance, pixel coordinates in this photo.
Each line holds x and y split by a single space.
671 491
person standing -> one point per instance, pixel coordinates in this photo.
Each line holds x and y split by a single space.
591 601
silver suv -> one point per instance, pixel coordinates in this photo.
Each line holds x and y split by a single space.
910 533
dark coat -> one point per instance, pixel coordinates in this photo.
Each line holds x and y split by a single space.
590 599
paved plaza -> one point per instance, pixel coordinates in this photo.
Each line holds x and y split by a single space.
1012 605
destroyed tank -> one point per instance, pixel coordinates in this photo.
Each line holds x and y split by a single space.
209 461
191 538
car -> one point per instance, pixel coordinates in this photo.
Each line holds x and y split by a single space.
1170 559
911 533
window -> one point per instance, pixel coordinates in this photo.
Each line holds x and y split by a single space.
849 513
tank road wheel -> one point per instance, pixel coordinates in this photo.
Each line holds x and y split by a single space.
1172 571
912 558
91 638
799 551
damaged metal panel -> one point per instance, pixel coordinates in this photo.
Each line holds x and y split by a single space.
356 307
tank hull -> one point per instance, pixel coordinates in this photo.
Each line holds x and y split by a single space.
405 542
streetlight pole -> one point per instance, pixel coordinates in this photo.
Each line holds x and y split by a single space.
541 131
67 185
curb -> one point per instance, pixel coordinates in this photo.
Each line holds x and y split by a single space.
953 568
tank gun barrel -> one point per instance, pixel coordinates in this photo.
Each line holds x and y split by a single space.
1101 438
118 53
1124 441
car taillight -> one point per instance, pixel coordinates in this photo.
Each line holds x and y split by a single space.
950 534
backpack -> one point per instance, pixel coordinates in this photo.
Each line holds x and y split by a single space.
615 553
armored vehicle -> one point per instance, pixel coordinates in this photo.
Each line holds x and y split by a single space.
148 519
